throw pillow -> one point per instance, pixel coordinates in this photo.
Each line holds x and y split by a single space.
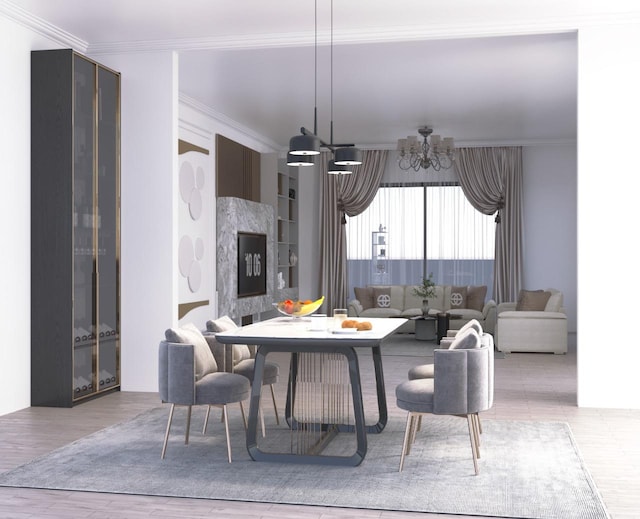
365 296
555 302
226 324
532 300
458 297
476 296
382 297
467 340
189 334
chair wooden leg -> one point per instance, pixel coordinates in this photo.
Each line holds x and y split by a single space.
478 430
166 434
405 443
226 430
206 419
186 433
275 406
472 433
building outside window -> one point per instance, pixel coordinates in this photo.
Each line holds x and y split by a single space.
412 230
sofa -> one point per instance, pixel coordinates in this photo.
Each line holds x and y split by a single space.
463 303
537 322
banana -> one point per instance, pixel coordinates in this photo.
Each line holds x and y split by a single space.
312 307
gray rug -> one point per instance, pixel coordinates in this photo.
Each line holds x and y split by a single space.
527 469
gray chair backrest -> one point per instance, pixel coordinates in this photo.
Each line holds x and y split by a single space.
461 381
176 373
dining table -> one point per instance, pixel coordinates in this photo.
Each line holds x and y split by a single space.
324 388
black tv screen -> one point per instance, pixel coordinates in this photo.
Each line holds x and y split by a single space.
252 264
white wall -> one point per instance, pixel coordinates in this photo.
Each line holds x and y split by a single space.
608 181
550 226
149 122
16 43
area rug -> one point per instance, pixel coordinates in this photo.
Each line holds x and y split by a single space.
527 469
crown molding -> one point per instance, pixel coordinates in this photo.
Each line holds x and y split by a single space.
227 121
42 27
458 30
484 144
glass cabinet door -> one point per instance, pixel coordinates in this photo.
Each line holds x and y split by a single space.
84 308
107 230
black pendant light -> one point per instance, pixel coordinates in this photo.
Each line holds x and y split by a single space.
334 169
299 160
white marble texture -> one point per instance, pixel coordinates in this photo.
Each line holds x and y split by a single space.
235 215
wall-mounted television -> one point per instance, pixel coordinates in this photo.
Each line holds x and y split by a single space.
252 264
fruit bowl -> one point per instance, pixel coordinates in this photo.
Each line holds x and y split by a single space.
297 309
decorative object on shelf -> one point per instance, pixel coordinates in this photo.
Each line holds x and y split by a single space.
293 259
426 290
434 152
281 283
292 194
308 143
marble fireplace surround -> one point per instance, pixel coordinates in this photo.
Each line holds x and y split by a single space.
235 215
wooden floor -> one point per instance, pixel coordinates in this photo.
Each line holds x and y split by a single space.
528 387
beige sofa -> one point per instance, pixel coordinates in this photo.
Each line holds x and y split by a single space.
529 330
399 301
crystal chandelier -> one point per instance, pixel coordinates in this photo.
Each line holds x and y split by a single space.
433 152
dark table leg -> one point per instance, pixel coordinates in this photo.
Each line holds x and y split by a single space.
360 428
443 325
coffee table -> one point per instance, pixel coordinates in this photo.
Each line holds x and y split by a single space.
425 328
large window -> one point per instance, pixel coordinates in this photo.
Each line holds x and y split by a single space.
410 231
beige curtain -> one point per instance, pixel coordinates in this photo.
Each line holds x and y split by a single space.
491 179
341 196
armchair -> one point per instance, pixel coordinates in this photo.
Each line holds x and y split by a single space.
240 358
536 323
460 386
187 375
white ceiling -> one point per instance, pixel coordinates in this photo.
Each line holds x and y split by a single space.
494 72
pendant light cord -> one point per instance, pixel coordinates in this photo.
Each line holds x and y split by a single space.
315 85
331 77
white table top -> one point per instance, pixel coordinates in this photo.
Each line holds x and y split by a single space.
283 330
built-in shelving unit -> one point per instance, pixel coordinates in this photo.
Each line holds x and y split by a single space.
379 257
75 228
287 222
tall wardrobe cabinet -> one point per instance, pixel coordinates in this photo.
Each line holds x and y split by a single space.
75 228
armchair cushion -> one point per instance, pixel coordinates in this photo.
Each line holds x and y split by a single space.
365 296
535 300
189 334
221 388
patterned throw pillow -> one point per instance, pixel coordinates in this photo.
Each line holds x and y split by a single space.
382 297
365 296
189 334
458 297
532 300
475 297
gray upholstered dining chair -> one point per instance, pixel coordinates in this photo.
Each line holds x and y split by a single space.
240 359
460 386
426 370
188 376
